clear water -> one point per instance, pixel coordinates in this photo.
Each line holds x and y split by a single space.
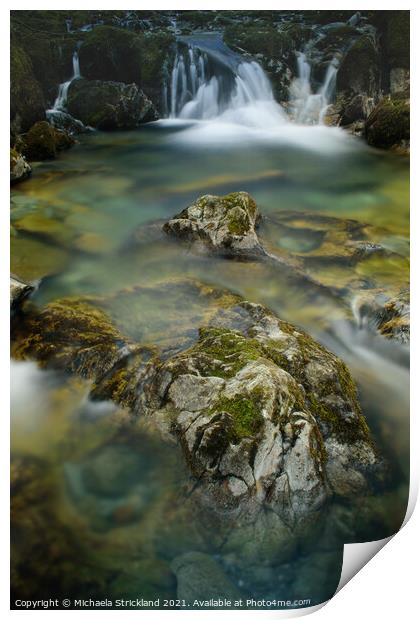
105 506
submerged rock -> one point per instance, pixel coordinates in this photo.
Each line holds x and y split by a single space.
224 225
43 141
390 316
200 577
109 105
19 167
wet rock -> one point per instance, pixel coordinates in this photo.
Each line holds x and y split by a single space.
390 316
388 126
109 105
19 167
19 291
121 55
43 141
200 577
358 90
265 416
224 225
72 334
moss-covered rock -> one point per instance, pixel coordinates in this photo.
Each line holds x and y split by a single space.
19 167
27 103
43 141
389 123
358 80
255 403
71 334
109 105
119 55
222 224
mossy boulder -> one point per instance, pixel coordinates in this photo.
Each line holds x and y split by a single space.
109 105
71 334
111 54
27 103
116 54
389 123
265 416
19 167
358 80
221 224
43 141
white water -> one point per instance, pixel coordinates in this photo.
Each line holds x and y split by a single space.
242 95
221 99
58 115
61 100
308 107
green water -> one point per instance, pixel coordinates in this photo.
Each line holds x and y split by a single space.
103 512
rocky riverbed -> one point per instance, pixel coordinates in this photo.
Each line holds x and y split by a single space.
210 303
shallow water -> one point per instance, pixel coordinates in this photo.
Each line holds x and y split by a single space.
73 221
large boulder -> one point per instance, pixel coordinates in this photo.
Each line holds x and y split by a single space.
109 105
266 417
388 125
358 90
43 141
117 54
19 167
221 224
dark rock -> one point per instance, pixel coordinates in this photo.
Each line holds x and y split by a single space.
43 141
388 126
200 577
109 105
27 103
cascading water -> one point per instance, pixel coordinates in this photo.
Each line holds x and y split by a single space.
58 115
308 107
209 81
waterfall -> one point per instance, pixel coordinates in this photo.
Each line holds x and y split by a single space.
209 81
61 100
308 107
58 115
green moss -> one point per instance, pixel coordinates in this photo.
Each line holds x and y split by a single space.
247 418
43 141
71 333
27 103
260 39
232 350
389 123
397 38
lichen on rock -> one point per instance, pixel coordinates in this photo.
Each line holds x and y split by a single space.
224 225
265 416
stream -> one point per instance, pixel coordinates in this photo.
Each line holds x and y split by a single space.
105 503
